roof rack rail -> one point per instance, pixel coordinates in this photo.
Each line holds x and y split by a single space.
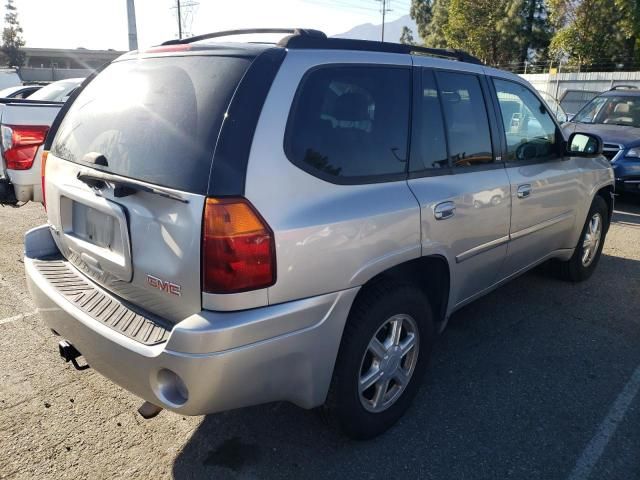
313 42
304 38
623 87
299 32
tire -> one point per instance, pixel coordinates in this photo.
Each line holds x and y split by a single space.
375 312
575 269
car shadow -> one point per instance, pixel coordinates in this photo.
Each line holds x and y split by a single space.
518 384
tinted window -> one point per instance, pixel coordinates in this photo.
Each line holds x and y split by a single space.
466 119
153 119
530 131
428 141
351 122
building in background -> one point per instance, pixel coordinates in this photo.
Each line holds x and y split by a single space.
51 64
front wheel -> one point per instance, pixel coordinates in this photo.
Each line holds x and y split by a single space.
384 351
589 249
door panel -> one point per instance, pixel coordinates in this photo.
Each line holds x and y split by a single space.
463 193
545 187
475 237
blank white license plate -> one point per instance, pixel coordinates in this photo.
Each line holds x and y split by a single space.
93 226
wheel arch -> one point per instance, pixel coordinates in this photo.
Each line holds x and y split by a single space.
430 273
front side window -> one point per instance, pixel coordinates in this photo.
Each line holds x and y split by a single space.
530 131
466 119
350 123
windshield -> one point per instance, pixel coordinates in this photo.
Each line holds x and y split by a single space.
611 110
57 91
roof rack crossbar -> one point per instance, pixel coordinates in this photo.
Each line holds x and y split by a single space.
621 87
302 32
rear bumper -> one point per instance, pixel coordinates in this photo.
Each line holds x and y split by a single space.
27 184
226 360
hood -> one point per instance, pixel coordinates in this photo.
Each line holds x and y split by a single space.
622 135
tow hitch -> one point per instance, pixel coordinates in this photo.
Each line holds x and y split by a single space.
69 353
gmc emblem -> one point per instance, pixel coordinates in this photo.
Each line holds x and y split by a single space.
167 287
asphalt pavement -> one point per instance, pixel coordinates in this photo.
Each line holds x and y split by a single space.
538 380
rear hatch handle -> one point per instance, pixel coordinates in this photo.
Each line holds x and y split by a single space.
124 187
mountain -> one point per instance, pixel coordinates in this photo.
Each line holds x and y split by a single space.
392 30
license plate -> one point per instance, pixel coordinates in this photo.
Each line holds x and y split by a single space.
93 226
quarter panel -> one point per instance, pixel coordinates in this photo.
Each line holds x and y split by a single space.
328 237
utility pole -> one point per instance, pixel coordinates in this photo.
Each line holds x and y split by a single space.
133 30
179 19
385 9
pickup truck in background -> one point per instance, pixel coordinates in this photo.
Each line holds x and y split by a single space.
24 125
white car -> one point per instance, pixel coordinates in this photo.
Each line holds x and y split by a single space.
24 125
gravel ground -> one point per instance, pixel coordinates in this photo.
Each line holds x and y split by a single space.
528 382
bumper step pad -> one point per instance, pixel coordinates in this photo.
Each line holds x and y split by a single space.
104 308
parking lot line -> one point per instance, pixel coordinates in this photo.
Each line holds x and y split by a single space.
17 317
607 429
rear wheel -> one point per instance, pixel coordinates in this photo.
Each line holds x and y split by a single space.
384 352
587 253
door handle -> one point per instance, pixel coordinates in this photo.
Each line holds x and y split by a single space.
524 190
444 210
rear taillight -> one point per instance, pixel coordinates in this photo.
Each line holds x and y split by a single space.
238 248
43 166
20 144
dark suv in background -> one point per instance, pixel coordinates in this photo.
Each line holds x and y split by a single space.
615 117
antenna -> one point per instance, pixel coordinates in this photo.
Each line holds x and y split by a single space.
185 11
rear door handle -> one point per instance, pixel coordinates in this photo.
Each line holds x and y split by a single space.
444 210
524 190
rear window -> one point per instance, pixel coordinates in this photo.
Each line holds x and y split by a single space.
153 119
57 92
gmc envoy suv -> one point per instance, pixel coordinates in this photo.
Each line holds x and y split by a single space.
237 223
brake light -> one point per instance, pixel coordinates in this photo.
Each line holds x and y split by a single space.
238 248
20 144
43 166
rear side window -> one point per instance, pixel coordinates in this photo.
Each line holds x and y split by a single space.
350 124
466 119
428 141
154 119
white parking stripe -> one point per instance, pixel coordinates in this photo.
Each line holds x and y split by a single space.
607 429
17 317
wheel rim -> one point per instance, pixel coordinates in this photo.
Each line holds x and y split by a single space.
388 363
591 240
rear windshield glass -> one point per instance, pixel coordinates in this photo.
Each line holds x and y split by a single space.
153 119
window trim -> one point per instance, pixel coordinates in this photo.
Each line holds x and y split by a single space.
534 161
360 179
494 135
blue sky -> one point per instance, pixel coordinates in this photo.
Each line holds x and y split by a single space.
102 24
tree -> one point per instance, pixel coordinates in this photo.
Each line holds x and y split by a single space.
589 33
12 41
421 12
436 37
629 30
406 36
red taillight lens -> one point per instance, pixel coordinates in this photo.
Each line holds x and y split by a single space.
238 249
20 144
43 166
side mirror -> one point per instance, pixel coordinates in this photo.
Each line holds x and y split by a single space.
584 145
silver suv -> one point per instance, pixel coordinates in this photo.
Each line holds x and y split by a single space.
237 223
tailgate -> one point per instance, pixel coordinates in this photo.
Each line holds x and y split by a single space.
144 248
